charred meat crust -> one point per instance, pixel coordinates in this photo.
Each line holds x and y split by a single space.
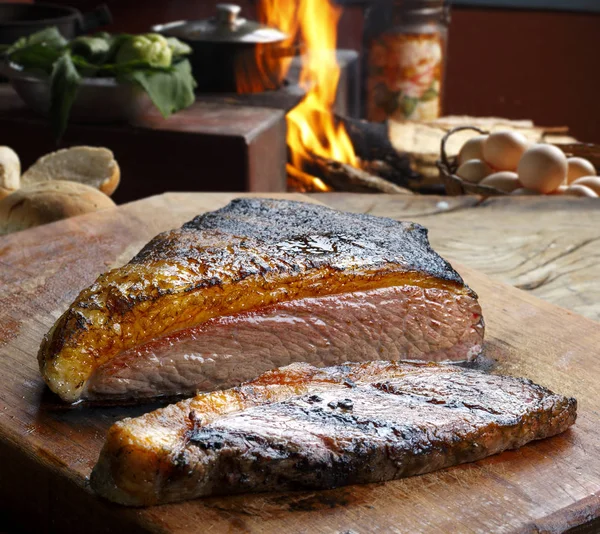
249 254
313 235
301 427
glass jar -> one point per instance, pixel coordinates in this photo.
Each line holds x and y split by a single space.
405 53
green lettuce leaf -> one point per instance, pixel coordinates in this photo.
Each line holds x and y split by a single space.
94 48
36 57
49 37
178 47
169 89
64 86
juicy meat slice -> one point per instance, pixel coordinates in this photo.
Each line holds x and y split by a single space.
402 322
302 427
248 257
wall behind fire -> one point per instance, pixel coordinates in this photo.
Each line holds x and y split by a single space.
541 65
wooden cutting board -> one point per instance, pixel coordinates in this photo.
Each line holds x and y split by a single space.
47 451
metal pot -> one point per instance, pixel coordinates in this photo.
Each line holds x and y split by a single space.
19 20
99 100
230 53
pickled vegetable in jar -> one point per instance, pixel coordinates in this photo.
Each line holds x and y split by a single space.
405 61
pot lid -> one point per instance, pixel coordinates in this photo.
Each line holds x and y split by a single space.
225 27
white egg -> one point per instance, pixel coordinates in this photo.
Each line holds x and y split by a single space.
472 149
524 191
593 182
504 181
579 167
577 190
503 149
542 168
474 171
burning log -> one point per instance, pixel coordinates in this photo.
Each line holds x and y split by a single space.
378 167
383 170
344 177
304 183
372 145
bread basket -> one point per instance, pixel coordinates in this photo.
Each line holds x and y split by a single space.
457 186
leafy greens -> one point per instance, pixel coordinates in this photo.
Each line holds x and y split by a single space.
170 91
66 64
64 85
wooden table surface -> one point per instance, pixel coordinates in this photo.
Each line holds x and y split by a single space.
547 246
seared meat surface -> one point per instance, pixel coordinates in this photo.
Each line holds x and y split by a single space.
245 268
302 427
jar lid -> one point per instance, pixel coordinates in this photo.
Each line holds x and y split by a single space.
420 4
225 27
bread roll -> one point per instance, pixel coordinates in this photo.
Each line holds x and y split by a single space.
88 165
10 171
47 202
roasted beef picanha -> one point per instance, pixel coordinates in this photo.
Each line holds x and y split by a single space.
256 285
302 427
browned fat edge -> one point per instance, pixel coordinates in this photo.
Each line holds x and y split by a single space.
89 346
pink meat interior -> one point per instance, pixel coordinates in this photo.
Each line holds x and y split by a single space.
401 322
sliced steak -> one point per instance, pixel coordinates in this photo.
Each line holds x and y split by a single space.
306 428
402 322
257 284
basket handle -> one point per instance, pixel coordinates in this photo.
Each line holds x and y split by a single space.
443 154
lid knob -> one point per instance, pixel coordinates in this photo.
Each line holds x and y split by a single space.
227 14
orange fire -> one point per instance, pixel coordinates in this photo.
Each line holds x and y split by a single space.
303 181
311 126
255 77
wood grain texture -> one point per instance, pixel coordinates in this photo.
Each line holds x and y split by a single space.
48 451
547 246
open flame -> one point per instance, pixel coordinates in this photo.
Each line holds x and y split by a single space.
255 77
311 126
